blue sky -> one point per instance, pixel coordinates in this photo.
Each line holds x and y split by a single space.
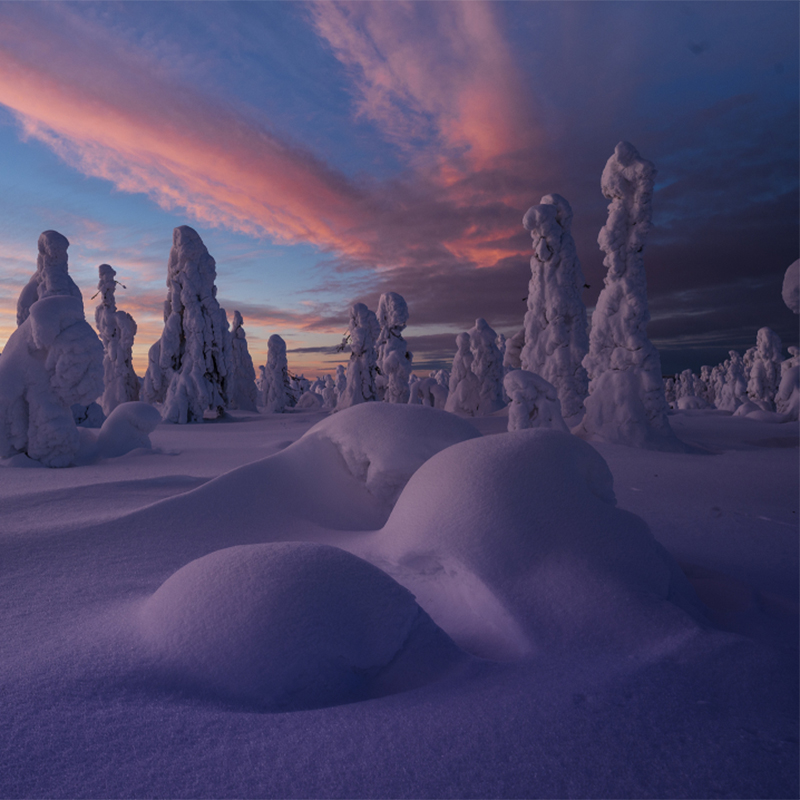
329 152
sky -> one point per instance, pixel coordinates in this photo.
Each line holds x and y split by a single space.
329 152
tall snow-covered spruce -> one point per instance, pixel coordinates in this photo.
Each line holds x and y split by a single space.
117 330
276 389
626 402
394 359
555 327
190 366
243 375
362 368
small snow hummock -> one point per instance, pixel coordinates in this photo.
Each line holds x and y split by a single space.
534 402
626 403
291 625
394 358
243 375
126 428
190 365
51 278
791 287
276 391
53 360
362 367
117 330
555 327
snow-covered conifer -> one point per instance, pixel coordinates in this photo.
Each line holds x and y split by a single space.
328 394
277 394
556 339
394 359
340 381
765 369
487 365
52 278
362 368
534 402
513 351
117 330
462 397
734 389
243 393
626 402
787 398
791 287
669 392
190 366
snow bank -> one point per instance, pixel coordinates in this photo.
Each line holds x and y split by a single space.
513 543
288 626
555 333
626 402
384 444
791 287
50 362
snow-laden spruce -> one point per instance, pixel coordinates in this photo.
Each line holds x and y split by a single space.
791 287
765 369
394 358
362 368
462 397
117 330
513 352
733 390
277 394
476 379
555 327
53 360
626 402
787 398
52 278
534 402
243 375
190 365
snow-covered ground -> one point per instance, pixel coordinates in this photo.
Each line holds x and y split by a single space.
558 650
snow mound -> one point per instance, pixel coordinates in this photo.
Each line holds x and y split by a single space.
513 543
126 428
383 444
534 402
791 287
289 626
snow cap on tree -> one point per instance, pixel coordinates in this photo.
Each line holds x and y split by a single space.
394 359
555 327
117 330
362 368
51 278
190 366
277 394
626 402
534 402
243 375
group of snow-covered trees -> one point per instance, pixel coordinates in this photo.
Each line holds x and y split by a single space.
56 373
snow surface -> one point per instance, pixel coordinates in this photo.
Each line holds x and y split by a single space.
584 667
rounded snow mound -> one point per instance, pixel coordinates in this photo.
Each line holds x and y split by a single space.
384 444
523 531
291 625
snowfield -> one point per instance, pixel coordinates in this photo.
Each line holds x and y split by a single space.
394 601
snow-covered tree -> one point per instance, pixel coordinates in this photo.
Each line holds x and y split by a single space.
340 381
329 394
394 358
243 394
534 402
277 394
513 351
487 364
787 398
53 360
734 388
791 287
362 368
462 397
556 338
117 330
686 391
626 402
765 369
52 278
190 365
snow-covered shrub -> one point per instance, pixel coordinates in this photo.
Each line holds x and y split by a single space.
277 394
393 356
52 278
626 402
534 402
309 401
556 338
117 330
53 360
362 367
190 365
765 369
243 394
791 287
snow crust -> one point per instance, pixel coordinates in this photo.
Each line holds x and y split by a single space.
287 626
555 327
